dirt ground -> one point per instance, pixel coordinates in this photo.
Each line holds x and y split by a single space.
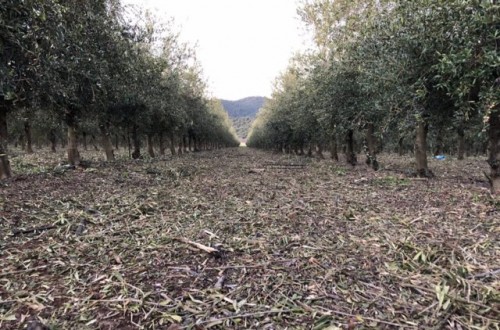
243 239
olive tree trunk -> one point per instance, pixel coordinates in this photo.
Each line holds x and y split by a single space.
334 154
494 151
371 155
29 137
136 154
53 140
73 154
461 143
151 150
421 149
350 154
107 145
161 142
172 143
5 171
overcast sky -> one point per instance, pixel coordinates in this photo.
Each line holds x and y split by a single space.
242 44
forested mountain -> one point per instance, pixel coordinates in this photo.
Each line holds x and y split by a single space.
243 112
247 107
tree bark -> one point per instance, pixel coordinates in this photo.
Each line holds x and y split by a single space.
107 145
461 143
494 151
73 154
421 150
350 154
29 138
151 150
136 154
371 156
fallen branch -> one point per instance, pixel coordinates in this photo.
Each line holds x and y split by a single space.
242 316
16 232
486 274
22 271
256 170
330 312
202 247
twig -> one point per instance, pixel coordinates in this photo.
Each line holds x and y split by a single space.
197 245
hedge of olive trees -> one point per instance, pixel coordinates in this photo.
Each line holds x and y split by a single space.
76 71
399 75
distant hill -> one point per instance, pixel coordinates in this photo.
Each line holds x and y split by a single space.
247 107
243 112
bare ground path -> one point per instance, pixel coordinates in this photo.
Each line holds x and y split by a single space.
241 239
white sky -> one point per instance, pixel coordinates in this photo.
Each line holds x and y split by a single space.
242 44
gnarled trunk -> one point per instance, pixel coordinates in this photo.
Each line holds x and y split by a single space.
494 151
73 154
350 154
371 155
107 145
151 150
29 138
421 149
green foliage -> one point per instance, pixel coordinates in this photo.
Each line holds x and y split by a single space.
391 64
89 64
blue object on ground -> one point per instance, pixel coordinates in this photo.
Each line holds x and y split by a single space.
440 157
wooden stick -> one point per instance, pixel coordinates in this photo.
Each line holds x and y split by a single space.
16 232
22 271
202 247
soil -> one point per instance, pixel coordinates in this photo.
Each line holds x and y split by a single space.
244 239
